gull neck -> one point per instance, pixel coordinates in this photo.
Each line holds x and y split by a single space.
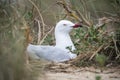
63 40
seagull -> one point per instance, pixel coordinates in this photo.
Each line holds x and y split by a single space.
58 52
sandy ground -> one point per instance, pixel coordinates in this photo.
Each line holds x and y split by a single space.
63 71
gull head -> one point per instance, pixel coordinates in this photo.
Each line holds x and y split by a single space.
65 26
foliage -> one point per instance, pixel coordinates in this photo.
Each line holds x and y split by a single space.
23 21
100 59
98 78
13 59
97 37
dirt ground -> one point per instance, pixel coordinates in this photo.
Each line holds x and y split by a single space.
62 71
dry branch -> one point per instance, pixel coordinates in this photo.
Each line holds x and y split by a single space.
80 57
85 56
69 11
83 18
96 52
116 48
39 32
76 14
46 35
43 24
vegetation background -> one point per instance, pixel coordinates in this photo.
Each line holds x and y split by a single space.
33 21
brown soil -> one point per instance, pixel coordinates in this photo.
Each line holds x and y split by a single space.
62 71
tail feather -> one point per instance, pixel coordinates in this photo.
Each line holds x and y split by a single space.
31 51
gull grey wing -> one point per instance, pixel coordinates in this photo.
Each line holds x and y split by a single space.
49 53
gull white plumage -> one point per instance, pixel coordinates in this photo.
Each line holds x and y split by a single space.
57 53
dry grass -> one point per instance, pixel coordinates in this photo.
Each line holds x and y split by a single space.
98 29
32 21
13 42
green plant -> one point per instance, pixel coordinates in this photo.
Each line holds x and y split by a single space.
95 38
100 59
97 77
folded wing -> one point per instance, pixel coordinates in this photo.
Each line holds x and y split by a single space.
49 53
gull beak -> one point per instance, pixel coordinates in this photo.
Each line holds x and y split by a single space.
77 25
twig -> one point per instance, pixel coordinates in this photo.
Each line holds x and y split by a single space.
46 35
43 24
116 48
74 13
39 32
96 52
80 57
86 12
69 12
83 18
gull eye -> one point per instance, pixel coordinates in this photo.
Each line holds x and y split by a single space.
64 24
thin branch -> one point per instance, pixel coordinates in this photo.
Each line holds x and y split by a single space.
96 52
69 11
116 48
39 32
43 24
46 35
83 18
